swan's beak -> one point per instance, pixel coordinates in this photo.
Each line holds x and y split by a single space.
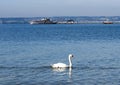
72 56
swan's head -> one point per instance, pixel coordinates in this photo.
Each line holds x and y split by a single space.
71 55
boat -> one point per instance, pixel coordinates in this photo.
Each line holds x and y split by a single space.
107 22
43 21
70 21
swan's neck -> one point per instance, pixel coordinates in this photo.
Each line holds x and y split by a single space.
70 62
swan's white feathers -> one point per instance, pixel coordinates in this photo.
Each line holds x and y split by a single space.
59 65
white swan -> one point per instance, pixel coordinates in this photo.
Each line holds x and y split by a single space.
62 65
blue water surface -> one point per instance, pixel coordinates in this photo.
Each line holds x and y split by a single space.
27 51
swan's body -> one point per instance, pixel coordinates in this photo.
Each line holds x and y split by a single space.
62 65
59 65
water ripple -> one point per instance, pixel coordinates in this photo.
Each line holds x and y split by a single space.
74 68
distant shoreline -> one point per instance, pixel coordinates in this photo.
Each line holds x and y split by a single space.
63 19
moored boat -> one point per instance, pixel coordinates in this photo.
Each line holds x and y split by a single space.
107 22
43 21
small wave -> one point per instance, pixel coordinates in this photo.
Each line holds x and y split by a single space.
95 68
2 54
106 68
18 67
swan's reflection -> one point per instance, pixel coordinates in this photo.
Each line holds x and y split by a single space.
63 70
59 69
70 72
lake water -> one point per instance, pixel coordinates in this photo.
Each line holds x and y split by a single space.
27 51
